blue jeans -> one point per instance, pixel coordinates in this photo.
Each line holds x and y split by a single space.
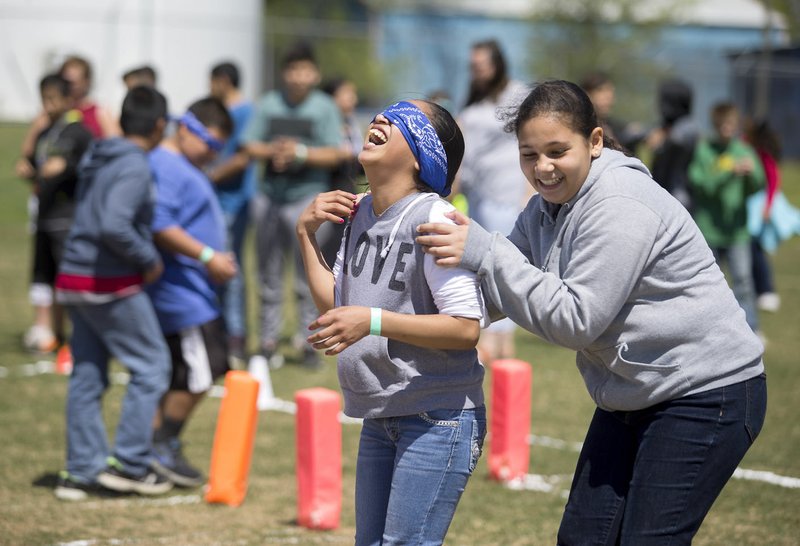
232 292
128 330
649 477
740 268
411 472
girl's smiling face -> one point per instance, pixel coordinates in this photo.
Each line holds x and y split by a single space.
554 158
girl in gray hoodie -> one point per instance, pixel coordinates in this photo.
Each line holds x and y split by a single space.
604 261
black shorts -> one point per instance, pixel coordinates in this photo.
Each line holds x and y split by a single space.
199 356
48 246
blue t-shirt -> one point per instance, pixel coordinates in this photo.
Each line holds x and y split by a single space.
235 192
184 296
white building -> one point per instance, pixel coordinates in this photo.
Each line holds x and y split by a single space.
181 39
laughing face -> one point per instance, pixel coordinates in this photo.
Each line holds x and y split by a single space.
385 144
554 158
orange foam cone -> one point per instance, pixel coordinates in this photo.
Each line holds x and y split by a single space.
64 360
510 422
319 458
233 440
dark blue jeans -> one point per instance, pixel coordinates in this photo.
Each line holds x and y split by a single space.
650 476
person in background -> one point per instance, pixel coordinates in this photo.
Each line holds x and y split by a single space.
346 175
296 131
602 92
405 329
78 72
53 172
141 75
108 256
490 178
673 143
234 177
607 263
725 170
764 141
189 230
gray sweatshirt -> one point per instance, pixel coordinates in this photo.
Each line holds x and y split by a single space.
381 266
111 235
622 275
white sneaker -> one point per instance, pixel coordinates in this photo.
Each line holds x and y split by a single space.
40 339
769 301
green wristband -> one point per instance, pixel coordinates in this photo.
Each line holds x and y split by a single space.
206 254
375 321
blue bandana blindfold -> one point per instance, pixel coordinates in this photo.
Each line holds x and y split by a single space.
195 126
424 143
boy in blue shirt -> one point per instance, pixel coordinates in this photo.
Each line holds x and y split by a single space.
234 178
189 229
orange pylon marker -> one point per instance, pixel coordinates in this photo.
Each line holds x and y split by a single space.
64 360
510 421
233 440
319 458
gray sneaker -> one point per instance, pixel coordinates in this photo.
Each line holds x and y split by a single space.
116 478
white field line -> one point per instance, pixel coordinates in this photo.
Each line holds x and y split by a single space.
530 482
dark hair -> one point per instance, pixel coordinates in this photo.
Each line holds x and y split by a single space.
561 99
594 81
453 141
674 101
211 112
142 107
300 51
332 85
226 70
145 71
761 136
477 92
55 81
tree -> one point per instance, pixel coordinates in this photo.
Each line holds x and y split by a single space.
339 31
572 38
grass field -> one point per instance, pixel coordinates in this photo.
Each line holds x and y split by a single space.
32 427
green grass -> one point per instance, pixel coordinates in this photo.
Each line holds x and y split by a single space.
32 426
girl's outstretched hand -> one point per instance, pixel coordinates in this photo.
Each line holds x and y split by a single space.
333 206
339 328
445 242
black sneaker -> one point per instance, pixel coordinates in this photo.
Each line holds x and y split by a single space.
170 463
70 489
116 478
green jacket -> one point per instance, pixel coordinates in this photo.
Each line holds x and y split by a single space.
719 194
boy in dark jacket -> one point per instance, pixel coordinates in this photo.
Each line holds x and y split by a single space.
52 169
109 254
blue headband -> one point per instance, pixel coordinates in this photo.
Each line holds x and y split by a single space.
196 127
424 143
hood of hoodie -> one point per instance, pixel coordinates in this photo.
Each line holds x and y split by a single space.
609 159
102 152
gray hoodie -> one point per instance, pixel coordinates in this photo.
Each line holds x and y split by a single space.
110 236
622 275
